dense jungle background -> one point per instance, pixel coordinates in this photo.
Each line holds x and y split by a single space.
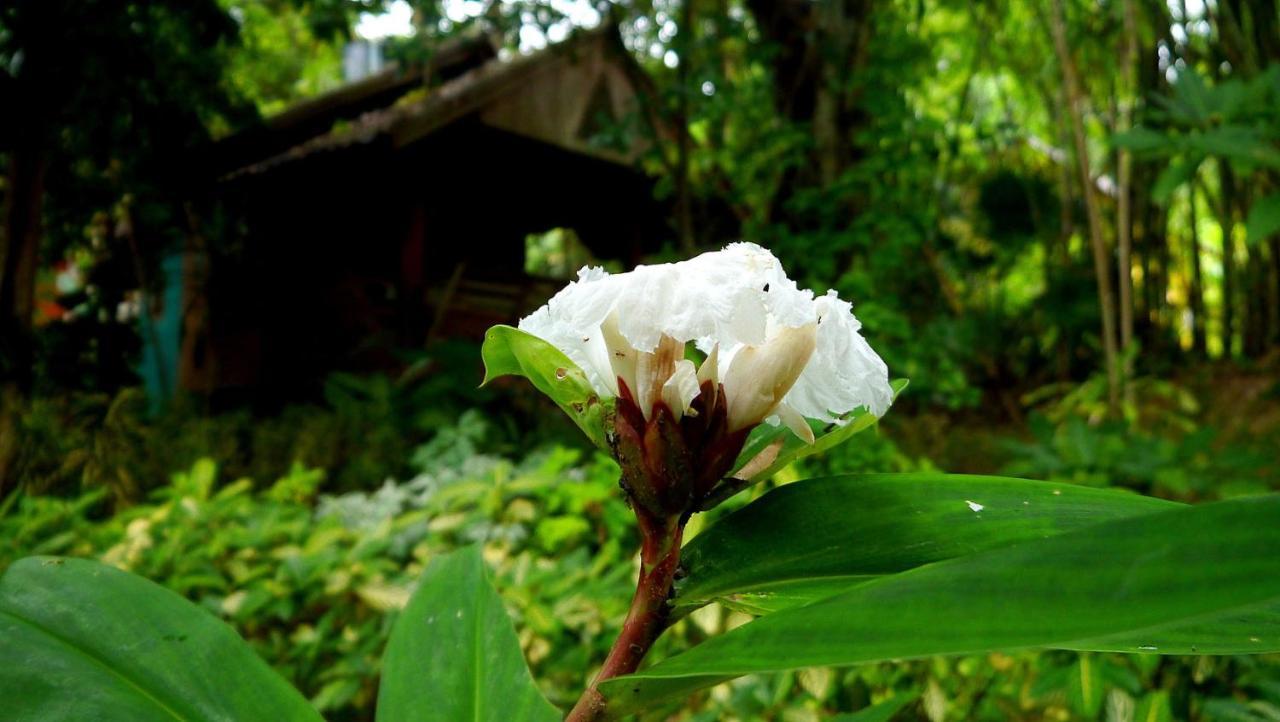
1060 219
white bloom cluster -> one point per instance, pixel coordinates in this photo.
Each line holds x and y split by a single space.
777 350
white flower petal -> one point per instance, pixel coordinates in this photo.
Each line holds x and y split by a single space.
726 297
680 390
587 351
728 302
794 421
759 377
844 372
622 358
653 370
710 369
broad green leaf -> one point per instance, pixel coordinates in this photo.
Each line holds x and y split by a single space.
1232 632
782 447
880 712
81 640
807 540
453 653
1264 218
1143 140
509 351
1130 577
775 596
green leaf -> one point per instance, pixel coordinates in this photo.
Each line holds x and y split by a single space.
1178 172
1239 144
775 596
1154 708
1143 140
454 655
80 640
509 351
1085 687
807 540
1194 99
881 712
1264 219
781 447
1132 578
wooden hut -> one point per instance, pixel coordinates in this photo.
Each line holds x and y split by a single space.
397 209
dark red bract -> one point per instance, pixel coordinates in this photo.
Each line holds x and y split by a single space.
669 465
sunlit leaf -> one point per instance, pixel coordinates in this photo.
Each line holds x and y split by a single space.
81 640
510 351
1131 578
454 655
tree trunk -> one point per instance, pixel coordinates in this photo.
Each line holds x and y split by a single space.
1124 210
19 247
1255 307
1274 295
1101 261
1199 340
1226 222
819 48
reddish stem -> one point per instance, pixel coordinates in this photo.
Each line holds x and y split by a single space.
659 559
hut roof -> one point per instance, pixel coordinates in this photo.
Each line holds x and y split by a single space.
553 95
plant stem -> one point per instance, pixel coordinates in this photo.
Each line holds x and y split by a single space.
646 620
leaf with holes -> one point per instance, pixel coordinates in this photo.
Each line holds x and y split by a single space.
509 351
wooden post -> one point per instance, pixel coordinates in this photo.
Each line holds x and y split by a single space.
1101 260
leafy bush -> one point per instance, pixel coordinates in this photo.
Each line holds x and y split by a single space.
313 581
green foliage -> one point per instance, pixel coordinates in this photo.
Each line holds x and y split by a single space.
280 57
823 535
1182 580
1264 218
918 163
364 429
1188 465
454 655
880 712
314 583
80 639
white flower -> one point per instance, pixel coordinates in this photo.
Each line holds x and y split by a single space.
777 350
